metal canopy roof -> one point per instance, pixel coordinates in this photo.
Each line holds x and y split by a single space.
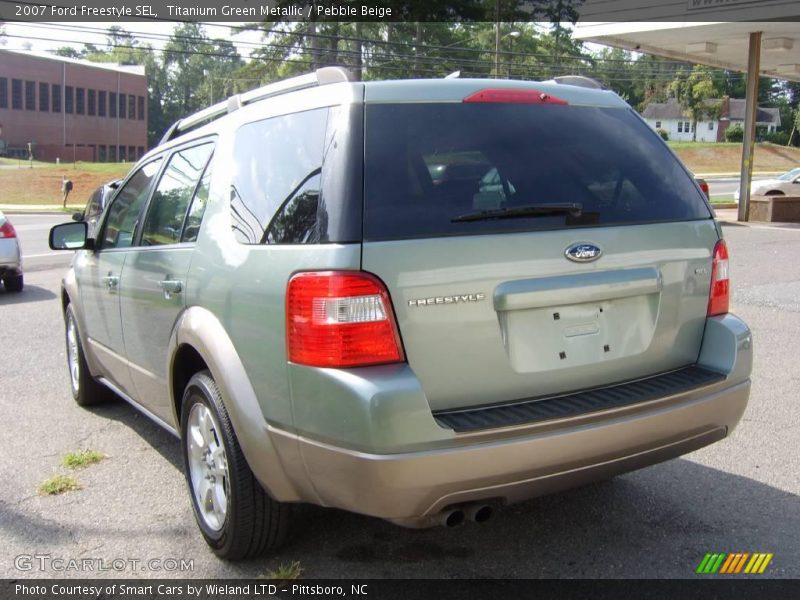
718 44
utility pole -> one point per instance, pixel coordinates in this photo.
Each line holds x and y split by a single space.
497 40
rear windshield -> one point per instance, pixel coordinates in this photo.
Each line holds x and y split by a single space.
428 164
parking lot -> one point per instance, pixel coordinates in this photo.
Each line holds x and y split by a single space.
740 495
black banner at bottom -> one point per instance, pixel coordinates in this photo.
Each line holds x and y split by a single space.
390 589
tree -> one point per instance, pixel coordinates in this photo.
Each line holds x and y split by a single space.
199 70
795 129
67 52
117 36
696 95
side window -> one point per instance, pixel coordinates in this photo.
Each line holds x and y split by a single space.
170 201
123 216
275 195
196 210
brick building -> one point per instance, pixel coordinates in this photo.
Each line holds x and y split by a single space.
71 109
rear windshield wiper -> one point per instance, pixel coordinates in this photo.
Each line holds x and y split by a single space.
555 208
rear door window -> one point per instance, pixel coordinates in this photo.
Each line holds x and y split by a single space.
278 179
195 217
168 208
298 178
428 164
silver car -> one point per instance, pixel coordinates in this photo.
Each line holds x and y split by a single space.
10 256
308 288
787 184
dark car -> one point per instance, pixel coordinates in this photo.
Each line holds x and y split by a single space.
96 204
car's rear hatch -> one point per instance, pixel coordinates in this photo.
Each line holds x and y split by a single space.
608 282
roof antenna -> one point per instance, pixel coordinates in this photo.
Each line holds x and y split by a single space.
453 75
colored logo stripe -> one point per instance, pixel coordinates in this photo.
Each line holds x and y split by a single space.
731 563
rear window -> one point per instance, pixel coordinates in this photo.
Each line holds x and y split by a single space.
427 164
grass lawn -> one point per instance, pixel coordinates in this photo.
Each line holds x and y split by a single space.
680 145
708 157
41 184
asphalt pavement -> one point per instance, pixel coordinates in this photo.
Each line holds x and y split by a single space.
726 186
739 495
32 231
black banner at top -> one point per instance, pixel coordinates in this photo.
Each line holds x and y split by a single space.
400 10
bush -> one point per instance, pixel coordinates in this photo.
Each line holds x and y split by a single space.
664 134
734 133
781 138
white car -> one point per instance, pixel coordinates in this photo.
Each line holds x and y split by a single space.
10 260
787 184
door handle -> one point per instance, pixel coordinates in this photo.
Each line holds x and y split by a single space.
111 282
170 287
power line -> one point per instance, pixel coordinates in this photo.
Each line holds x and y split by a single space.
563 62
255 45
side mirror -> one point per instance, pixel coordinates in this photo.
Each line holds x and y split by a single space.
70 236
78 216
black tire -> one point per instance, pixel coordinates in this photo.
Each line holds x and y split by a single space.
254 523
13 283
86 391
774 193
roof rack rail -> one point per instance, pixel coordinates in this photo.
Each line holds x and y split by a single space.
579 81
322 76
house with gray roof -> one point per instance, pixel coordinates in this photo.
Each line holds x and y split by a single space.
678 124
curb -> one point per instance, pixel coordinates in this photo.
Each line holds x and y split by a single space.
737 174
39 209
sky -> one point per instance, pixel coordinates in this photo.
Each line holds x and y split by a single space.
47 36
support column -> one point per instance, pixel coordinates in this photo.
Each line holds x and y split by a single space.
751 104
497 40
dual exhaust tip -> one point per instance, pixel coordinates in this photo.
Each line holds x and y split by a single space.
477 513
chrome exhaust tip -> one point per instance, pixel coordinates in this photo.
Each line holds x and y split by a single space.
452 518
479 513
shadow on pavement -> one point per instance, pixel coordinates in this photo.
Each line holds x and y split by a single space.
29 293
161 440
657 522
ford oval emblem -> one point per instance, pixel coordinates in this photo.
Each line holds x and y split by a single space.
583 252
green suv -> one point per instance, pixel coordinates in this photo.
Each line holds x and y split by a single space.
417 300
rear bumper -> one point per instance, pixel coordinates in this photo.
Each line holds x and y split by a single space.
10 261
404 487
515 463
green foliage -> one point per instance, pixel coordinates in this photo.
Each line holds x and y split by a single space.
83 458
67 52
58 484
734 133
434 38
664 134
780 138
696 93
285 571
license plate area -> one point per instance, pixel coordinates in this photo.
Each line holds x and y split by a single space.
572 335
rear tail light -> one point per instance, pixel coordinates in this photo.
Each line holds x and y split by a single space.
704 187
511 96
340 319
7 230
719 295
